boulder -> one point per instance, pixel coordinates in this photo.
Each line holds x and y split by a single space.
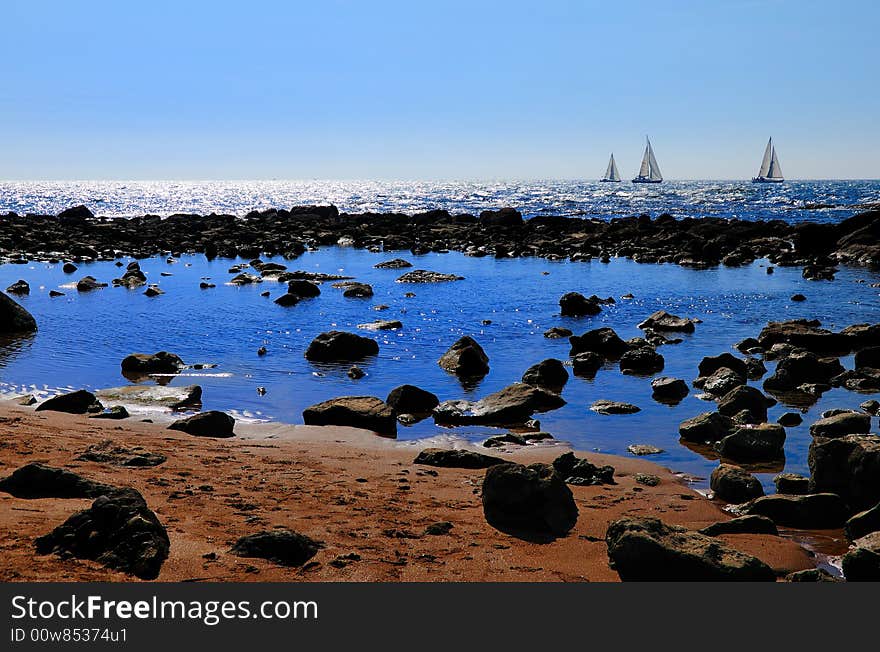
510 406
752 524
579 471
89 283
848 466
710 364
358 291
603 341
585 365
367 412
575 304
303 289
287 300
862 563
340 346
734 485
456 458
603 406
869 357
397 263
802 367
790 420
78 402
641 361
792 483
720 382
206 424
754 443
14 318
162 362
647 549
668 390
863 523
528 501
76 214
37 480
118 531
706 427
549 374
282 546
663 321
805 334
465 359
167 396
841 424
409 399
744 398
810 511
557 332
505 217
20 288
69 268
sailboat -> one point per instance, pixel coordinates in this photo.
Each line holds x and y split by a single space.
650 171
611 174
770 171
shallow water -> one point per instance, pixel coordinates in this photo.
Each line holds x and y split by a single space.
83 336
788 201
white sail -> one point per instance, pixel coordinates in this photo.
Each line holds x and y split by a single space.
775 170
655 169
765 164
645 169
615 175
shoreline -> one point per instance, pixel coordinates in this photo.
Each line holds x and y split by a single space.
361 495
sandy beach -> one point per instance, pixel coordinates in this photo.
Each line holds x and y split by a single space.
361 495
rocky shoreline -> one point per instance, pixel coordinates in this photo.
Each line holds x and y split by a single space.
78 234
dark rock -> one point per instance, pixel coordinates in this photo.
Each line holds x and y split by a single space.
871 407
37 480
113 412
548 374
841 424
382 325
20 288
848 466
647 479
287 300
755 368
742 525
643 360
810 511
644 449
798 297
303 289
579 471
744 398
157 363
528 501
669 390
14 318
792 483
358 291
869 357
575 304
89 283
78 402
397 263
754 443
862 563
603 406
425 276
283 547
153 291
812 575
409 399
465 359
706 427
734 485
710 364
78 214
118 531
106 452
720 382
802 367
504 440
585 365
510 406
366 412
456 458
440 528
355 373
863 523
646 549
69 268
206 424
806 334
790 420
663 321
505 217
339 346
556 333
603 341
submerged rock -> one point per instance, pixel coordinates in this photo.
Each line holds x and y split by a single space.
664 321
614 407
425 276
162 362
206 424
575 304
283 547
556 333
603 341
585 365
381 325
339 346
367 412
20 287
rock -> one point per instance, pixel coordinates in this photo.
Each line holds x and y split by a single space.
355 373
557 332
425 276
869 357
55 293
744 398
441 528
603 341
798 297
755 368
862 563
245 279
505 439
812 575
790 420
742 525
14 318
706 427
505 217
168 396
549 374
397 263
528 500
157 363
465 359
89 283
112 412
644 449
754 443
283 547
367 412
721 382
20 288
663 321
863 523
69 268
647 479
510 406
206 424
77 214
206 286
78 402
575 304
409 399
871 407
287 300
810 511
339 346
381 325
865 379
585 365
792 483
118 531
106 452
37 480
805 334
303 289
848 466
669 390
839 425
646 549
643 360
581 472
358 291
710 364
802 367
734 485
603 406
456 458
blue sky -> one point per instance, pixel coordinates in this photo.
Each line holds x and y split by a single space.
454 90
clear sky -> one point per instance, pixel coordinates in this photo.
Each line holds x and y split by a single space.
195 89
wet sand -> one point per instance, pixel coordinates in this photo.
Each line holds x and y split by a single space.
354 491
